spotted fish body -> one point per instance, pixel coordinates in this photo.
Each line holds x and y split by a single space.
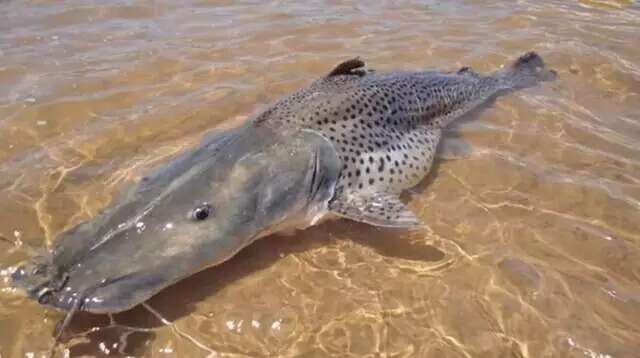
348 144
386 127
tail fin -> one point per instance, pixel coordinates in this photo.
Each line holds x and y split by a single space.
526 71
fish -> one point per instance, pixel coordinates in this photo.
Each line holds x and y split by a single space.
346 146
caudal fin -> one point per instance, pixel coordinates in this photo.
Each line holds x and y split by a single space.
526 71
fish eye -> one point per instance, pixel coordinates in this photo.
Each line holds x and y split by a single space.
201 212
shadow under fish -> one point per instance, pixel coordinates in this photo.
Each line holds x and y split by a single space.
348 145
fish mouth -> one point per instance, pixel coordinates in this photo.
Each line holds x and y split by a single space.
107 281
68 292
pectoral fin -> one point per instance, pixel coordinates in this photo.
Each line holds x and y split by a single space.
378 209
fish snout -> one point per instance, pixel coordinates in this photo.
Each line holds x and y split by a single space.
47 294
42 282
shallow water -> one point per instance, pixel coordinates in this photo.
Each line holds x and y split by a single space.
533 248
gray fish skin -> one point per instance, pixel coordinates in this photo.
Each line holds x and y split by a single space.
386 127
348 144
255 180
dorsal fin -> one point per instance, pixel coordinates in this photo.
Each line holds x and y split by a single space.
349 67
378 209
468 71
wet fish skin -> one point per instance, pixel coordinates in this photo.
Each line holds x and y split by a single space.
386 127
255 179
348 144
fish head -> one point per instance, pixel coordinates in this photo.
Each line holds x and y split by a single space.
195 212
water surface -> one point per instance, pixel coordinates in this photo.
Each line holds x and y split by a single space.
533 246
